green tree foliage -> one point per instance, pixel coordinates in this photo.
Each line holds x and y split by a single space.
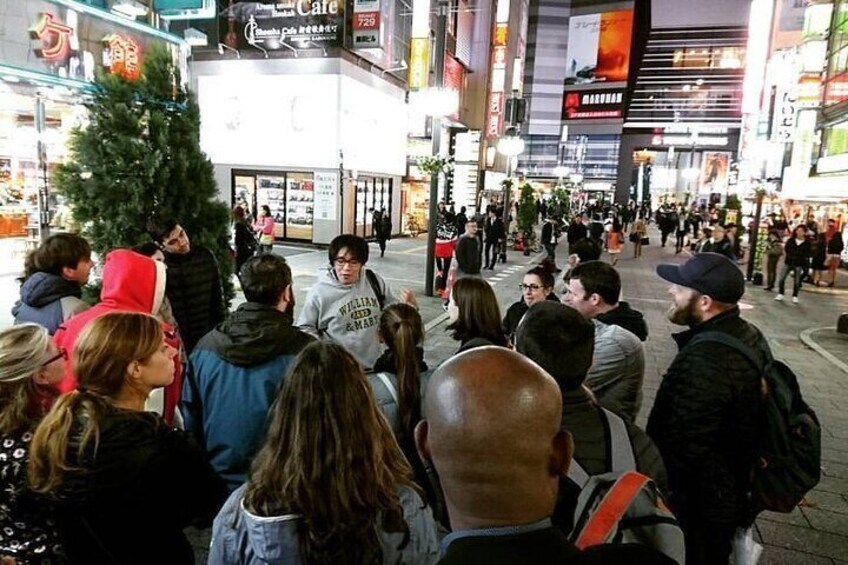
526 209
138 157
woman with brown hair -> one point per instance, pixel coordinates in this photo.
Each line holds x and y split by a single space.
30 367
330 484
474 314
124 483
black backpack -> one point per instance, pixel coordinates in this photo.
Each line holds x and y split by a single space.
789 451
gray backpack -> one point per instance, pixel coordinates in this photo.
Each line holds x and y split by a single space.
623 506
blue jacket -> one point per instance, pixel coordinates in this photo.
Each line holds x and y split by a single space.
240 537
233 376
48 300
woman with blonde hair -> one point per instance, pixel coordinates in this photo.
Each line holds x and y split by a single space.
124 483
30 367
330 484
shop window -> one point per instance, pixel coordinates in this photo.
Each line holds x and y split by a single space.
836 139
299 205
289 196
729 58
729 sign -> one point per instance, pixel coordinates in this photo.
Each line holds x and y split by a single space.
366 20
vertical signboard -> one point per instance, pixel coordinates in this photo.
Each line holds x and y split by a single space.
366 24
599 47
497 97
326 195
418 62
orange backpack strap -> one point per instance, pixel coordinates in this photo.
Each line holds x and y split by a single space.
611 509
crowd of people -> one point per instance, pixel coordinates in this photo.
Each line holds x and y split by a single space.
328 438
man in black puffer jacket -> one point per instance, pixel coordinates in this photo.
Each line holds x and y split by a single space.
706 413
193 283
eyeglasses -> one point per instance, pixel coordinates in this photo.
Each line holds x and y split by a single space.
175 240
341 262
532 287
61 354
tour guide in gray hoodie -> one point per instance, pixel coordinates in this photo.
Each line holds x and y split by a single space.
344 306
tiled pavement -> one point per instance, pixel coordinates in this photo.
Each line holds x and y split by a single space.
814 534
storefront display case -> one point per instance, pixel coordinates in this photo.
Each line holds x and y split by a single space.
289 195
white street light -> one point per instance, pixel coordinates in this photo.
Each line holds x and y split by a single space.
435 102
561 171
511 145
691 173
576 178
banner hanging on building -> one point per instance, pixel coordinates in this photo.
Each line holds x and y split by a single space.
582 105
599 47
287 24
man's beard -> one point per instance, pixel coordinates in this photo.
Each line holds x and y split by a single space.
686 315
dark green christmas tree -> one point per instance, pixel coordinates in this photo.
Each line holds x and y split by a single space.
139 157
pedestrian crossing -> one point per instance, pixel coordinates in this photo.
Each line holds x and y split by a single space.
501 275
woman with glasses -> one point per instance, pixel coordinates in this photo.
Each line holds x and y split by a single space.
124 483
474 315
346 302
538 285
30 367
330 484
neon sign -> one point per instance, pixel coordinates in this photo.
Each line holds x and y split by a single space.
123 56
54 36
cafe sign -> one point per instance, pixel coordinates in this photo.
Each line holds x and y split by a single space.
287 25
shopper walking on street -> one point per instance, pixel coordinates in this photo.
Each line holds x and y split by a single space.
495 234
706 413
468 252
835 245
798 251
382 230
774 251
550 235
614 238
244 241
264 229
637 237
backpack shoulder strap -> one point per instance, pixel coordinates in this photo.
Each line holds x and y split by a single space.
621 452
387 382
733 343
577 474
611 509
374 281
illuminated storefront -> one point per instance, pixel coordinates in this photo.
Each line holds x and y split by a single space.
48 63
320 141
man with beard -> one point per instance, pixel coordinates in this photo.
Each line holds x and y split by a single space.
236 369
705 416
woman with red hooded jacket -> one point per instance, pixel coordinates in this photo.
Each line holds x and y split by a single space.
131 283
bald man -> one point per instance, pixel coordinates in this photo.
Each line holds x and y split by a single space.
492 432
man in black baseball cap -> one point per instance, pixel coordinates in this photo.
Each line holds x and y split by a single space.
704 419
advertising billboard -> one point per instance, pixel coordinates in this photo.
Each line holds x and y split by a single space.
284 25
714 172
607 103
599 47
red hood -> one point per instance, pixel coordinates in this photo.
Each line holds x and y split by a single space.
132 282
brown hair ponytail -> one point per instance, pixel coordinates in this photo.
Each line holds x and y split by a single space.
401 328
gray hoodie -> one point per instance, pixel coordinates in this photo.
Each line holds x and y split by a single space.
347 314
244 538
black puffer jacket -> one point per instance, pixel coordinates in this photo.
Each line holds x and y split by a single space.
194 289
704 422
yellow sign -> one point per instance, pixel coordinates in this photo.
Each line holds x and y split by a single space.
419 67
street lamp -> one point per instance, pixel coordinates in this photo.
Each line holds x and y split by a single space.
511 146
561 171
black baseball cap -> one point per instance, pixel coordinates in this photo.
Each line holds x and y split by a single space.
711 274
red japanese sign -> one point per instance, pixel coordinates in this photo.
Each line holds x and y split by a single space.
54 36
366 20
124 55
